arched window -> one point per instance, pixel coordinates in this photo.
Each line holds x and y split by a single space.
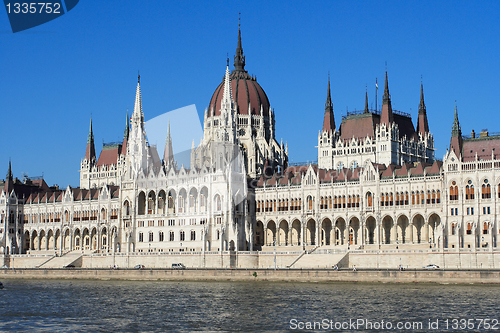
141 237
161 236
193 235
469 191
369 199
310 202
486 191
453 191
171 236
151 236
218 203
182 236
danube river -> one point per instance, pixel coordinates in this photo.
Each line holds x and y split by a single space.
145 306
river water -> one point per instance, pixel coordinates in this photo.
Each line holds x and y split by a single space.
158 306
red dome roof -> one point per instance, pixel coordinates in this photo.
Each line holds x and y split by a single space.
244 88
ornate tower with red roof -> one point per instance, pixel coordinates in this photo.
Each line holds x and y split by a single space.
328 134
388 137
239 112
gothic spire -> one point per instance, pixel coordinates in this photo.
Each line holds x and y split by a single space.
239 58
168 153
455 129
386 114
421 107
127 128
90 137
386 97
227 96
138 101
90 151
366 102
456 135
9 173
422 124
329 119
328 103
9 181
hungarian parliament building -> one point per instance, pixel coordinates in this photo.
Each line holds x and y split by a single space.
376 183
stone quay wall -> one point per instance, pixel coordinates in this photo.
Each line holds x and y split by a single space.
320 259
290 275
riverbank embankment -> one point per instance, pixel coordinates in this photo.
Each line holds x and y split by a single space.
289 275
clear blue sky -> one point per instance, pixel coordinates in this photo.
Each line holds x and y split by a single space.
56 75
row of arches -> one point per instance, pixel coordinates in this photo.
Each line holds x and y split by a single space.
469 193
76 216
350 201
170 202
340 231
92 239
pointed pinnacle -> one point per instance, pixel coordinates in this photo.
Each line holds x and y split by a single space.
90 137
421 108
386 89
328 103
366 101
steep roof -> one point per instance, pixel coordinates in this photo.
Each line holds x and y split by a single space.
359 126
109 155
483 146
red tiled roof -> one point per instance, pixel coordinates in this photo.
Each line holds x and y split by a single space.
363 125
359 126
272 181
245 91
389 171
484 147
418 170
261 181
109 155
403 171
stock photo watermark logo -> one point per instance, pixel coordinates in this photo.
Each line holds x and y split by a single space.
25 15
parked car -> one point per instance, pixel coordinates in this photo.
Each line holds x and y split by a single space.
69 266
431 267
178 266
139 267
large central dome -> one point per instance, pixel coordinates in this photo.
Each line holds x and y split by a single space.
248 95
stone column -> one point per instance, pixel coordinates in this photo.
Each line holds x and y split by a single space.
393 232
318 234
377 233
410 234
425 233
302 227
